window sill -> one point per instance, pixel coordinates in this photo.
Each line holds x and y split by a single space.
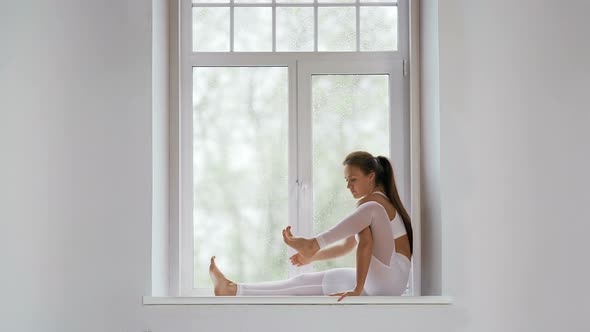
297 300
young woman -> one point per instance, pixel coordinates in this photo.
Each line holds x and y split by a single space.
384 247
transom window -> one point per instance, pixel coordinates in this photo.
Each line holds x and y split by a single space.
294 25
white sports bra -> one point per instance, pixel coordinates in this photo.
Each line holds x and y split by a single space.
397 226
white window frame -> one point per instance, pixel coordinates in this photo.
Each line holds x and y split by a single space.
181 196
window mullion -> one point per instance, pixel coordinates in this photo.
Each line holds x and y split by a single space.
304 225
358 26
274 25
293 168
315 25
231 25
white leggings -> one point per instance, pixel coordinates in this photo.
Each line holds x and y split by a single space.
314 283
388 271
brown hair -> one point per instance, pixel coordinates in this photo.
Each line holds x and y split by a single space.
384 177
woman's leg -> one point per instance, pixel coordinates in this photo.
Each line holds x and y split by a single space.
315 283
361 218
351 225
303 284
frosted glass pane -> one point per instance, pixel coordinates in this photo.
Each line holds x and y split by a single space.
337 29
389 1
253 29
349 113
240 172
210 29
253 1
295 29
338 1
378 28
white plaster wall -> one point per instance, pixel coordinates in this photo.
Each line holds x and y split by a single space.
75 179
430 158
160 146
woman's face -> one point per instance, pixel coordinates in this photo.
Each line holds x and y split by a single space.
359 184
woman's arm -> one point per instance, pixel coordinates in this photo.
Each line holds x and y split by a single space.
326 253
336 251
363 258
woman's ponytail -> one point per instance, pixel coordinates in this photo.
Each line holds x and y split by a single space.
387 178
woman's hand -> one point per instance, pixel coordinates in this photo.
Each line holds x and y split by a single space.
342 295
299 260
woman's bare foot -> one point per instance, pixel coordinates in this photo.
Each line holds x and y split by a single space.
306 247
222 285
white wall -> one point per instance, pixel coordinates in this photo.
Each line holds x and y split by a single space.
75 179
431 221
160 143
515 114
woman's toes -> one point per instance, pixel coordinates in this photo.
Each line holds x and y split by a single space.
286 237
289 231
212 265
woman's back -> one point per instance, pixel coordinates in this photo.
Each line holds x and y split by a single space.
389 270
402 243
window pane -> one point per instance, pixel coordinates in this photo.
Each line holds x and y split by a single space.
240 119
337 29
378 28
253 29
295 29
252 1
349 113
390 1
210 29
